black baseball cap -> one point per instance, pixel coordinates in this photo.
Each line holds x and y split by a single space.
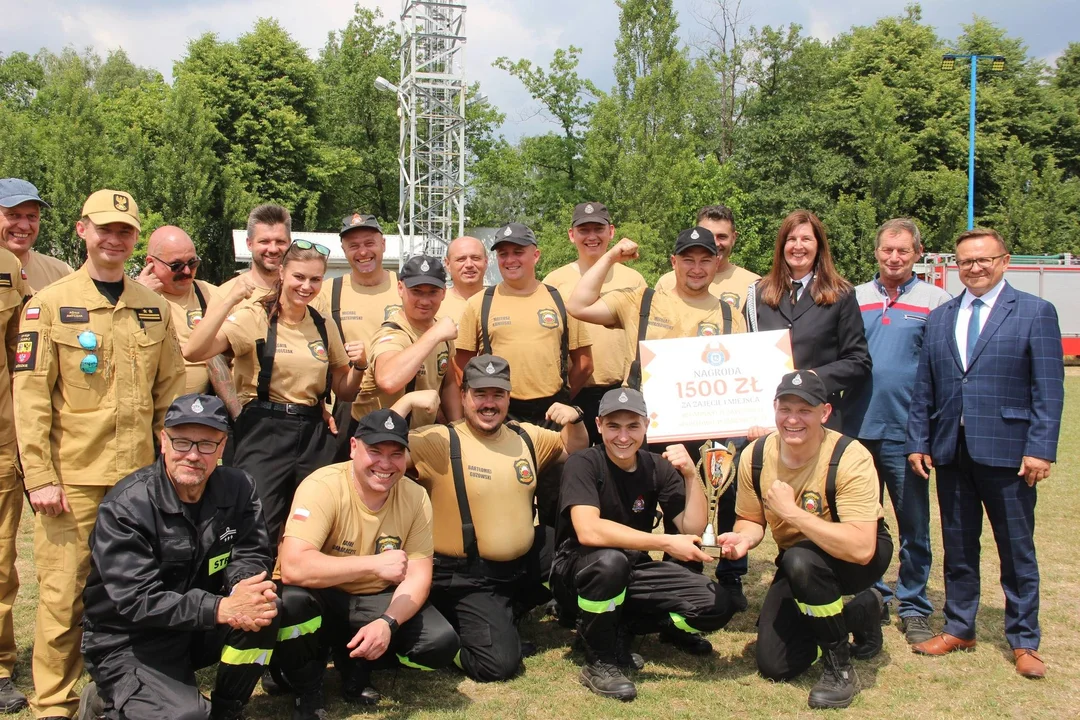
487 371
514 233
383 426
805 385
423 270
590 212
358 220
695 237
197 409
622 399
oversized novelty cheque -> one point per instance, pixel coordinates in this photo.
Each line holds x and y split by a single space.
712 386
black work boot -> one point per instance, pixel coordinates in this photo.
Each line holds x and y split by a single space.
685 641
356 685
226 710
601 675
732 585
862 614
625 658
91 706
838 683
274 683
310 705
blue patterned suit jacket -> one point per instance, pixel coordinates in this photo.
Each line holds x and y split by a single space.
1011 396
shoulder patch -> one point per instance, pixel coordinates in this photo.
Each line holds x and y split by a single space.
149 314
33 313
26 352
74 315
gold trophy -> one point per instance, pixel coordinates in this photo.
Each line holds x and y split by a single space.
717 470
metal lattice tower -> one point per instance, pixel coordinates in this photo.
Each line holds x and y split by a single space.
432 111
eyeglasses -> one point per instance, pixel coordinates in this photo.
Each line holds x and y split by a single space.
308 245
180 264
88 342
205 447
983 262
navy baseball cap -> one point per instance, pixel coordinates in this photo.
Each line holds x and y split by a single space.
14 191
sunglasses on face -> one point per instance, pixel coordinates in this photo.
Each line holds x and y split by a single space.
180 264
308 245
88 342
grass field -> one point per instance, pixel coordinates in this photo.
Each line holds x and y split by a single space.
896 684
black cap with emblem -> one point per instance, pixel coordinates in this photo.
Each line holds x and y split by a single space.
358 220
423 270
590 212
695 237
513 233
805 385
623 399
197 409
487 371
383 426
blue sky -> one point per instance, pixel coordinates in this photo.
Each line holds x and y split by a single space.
155 32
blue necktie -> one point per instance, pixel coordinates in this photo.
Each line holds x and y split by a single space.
973 329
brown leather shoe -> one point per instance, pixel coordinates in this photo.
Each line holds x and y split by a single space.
942 644
1029 664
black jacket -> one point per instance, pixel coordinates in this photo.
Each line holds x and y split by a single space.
154 571
828 339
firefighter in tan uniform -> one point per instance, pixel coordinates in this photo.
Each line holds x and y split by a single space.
20 223
412 351
591 231
482 475
731 281
269 235
359 302
13 292
98 366
467 263
525 321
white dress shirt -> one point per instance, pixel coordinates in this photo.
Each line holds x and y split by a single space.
963 317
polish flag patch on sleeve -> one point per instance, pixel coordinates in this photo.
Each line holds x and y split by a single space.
33 313
301 514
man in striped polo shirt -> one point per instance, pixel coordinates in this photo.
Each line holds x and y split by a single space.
895 306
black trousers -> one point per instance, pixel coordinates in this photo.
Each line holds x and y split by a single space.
588 399
803 609
279 451
484 600
153 678
535 411
346 429
315 621
612 587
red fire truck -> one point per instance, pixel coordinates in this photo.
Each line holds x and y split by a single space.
1053 277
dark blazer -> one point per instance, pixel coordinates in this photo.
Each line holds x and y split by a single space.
1011 396
828 339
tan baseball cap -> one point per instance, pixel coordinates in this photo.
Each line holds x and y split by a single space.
109 206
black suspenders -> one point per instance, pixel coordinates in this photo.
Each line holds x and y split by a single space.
564 343
757 461
266 349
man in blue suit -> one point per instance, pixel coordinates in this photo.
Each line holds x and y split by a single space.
986 412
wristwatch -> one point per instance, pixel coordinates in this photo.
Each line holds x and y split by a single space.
580 415
391 622
358 368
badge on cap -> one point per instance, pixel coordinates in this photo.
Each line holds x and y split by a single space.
490 369
120 202
508 232
197 407
694 235
424 267
589 209
356 219
623 398
389 424
797 380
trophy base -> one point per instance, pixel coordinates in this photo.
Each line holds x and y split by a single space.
714 551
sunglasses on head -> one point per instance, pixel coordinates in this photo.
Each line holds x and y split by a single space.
308 245
180 264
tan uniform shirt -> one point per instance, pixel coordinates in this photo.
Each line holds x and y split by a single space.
856 487
42 270
453 306
328 513
670 316
93 428
612 351
500 480
729 285
363 308
525 330
186 312
429 377
300 358
13 290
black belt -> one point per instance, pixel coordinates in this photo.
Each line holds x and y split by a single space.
499 570
286 408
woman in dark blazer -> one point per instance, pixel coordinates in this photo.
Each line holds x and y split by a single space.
805 294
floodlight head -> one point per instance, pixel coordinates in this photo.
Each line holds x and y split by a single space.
997 63
948 62
385 85
478 99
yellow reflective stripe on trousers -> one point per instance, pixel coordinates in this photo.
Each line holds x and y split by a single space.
820 611
255 656
305 628
601 606
409 663
680 622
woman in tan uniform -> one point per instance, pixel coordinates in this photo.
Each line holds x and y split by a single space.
287 359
